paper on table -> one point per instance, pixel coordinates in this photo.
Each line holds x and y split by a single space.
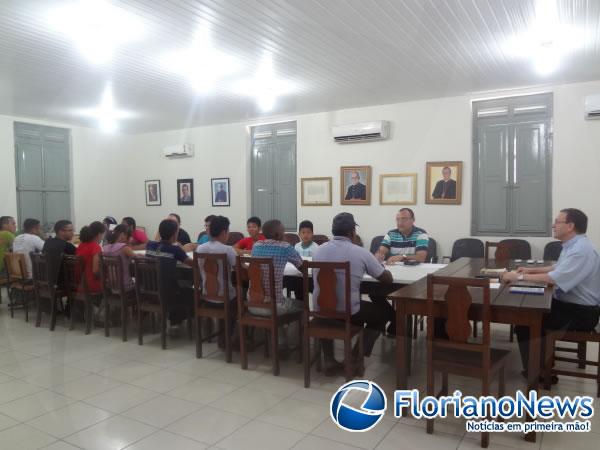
494 285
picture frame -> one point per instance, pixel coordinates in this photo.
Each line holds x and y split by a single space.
316 191
185 192
153 193
220 192
398 189
355 185
443 185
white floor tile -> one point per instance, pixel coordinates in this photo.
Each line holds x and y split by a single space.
7 422
261 436
296 414
209 425
317 443
12 390
61 445
247 402
121 398
86 387
35 405
129 371
162 410
202 390
412 437
68 420
24 437
369 440
233 374
164 380
162 440
112 434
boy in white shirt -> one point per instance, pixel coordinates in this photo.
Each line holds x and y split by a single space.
306 246
29 241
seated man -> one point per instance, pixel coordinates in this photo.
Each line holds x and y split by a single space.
244 246
8 228
576 274
55 247
179 298
371 315
183 238
406 242
204 238
29 241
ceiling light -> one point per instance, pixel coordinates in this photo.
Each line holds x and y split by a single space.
96 27
265 87
106 113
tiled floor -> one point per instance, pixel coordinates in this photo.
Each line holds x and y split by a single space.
65 390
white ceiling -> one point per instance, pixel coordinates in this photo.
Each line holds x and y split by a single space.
338 53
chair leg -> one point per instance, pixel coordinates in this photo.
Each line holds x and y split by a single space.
38 317
347 358
415 323
228 344
485 391
430 392
361 352
139 325
53 313
306 351
11 304
474 328
26 306
89 316
106 316
124 314
300 343
598 374
549 360
153 323
444 383
243 348
581 354
163 330
198 337
501 383
266 349
274 349
511 333
72 308
318 354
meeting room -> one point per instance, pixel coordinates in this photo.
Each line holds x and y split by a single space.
299 224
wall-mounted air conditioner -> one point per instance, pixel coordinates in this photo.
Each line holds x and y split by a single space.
592 107
360 132
179 151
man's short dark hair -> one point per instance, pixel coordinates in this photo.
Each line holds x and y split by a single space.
305 224
577 218
30 224
167 229
177 217
4 220
343 225
270 228
218 224
61 225
129 221
255 220
408 210
209 218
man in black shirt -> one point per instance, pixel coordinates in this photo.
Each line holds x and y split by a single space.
58 246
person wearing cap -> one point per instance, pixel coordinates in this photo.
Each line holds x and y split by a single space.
341 249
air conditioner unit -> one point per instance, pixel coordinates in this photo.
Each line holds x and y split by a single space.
592 107
179 151
360 132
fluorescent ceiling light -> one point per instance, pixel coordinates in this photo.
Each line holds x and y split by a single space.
202 64
265 87
96 27
106 113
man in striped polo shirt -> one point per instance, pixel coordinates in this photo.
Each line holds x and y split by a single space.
406 242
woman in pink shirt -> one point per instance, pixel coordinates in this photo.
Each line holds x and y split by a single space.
138 238
118 245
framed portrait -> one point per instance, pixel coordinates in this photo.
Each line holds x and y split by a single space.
355 185
185 192
444 183
398 189
153 195
220 191
316 191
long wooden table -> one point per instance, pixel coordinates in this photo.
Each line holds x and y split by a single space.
505 307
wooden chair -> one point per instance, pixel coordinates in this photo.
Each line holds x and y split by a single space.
18 284
456 355
114 292
502 256
78 291
291 238
520 248
578 337
261 294
552 251
44 287
3 283
467 248
320 239
149 296
234 237
431 251
208 302
328 322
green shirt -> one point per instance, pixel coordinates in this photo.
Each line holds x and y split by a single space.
6 240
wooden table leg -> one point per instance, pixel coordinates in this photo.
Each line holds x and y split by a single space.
533 370
401 354
409 342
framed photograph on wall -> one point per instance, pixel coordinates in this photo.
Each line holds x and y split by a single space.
355 185
316 191
398 189
444 183
185 192
153 195
220 191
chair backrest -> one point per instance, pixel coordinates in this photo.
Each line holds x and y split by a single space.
431 250
502 255
214 282
43 284
148 288
234 237
376 243
320 239
552 251
326 279
291 238
75 280
458 300
519 248
260 274
15 266
467 248
111 275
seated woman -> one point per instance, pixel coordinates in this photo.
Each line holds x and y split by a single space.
90 250
118 245
138 238
110 223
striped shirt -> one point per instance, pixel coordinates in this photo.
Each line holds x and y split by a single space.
282 253
398 244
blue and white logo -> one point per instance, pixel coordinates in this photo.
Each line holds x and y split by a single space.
364 417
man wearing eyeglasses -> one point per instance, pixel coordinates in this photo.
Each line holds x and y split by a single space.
357 190
576 275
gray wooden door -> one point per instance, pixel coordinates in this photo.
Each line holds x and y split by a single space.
274 173
43 173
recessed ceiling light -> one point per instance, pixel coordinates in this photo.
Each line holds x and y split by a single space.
96 27
106 113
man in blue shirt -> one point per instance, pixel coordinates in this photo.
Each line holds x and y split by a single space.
576 275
